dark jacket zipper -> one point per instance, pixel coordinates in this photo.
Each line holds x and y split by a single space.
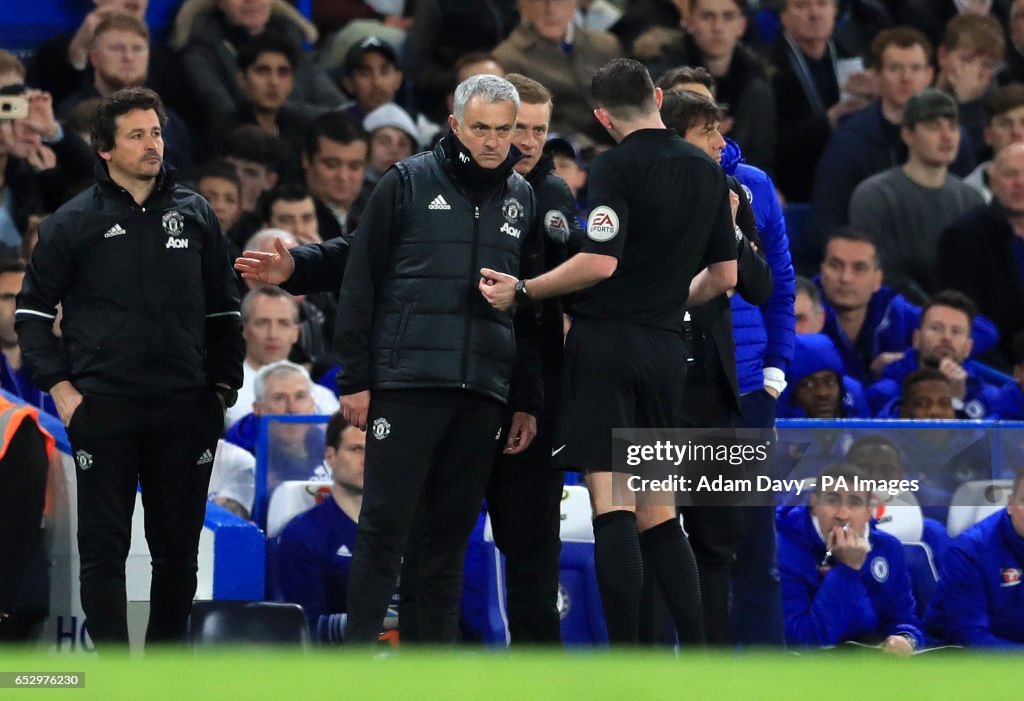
474 266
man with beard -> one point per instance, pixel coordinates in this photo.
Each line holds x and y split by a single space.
943 342
119 56
871 324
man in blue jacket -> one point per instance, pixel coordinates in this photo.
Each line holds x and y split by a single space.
1008 401
843 579
870 324
764 336
314 551
818 389
942 341
980 598
764 347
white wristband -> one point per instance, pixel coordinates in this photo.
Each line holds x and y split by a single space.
775 378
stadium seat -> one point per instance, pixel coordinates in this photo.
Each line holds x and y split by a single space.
247 623
495 624
291 499
900 516
974 501
923 573
795 214
579 602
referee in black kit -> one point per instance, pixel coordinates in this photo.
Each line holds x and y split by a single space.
151 357
660 209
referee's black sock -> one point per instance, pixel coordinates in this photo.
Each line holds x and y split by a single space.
675 570
620 574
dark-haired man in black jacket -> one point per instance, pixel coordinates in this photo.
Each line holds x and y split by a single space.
151 356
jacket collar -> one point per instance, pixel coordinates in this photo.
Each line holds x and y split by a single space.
164 181
456 159
544 165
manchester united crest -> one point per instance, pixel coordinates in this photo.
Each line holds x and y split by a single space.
174 223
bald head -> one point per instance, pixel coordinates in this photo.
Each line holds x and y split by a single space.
1006 177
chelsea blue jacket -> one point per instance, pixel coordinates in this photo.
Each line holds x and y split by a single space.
312 563
978 402
1008 403
764 335
889 327
979 601
812 353
843 604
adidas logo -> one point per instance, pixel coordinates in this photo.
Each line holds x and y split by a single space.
439 203
206 458
115 230
343 551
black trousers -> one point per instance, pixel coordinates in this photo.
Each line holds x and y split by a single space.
165 444
757 618
523 499
428 459
713 525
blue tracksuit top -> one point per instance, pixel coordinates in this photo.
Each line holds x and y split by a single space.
1008 403
979 601
314 555
812 353
889 327
843 604
978 402
764 334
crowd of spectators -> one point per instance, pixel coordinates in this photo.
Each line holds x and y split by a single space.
896 126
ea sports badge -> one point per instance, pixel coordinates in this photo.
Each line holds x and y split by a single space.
556 226
603 224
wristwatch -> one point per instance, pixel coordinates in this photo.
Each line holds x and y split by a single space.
522 294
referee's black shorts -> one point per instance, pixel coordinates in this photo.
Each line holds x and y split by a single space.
615 375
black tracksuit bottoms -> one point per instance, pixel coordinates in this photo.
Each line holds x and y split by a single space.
429 455
165 444
524 499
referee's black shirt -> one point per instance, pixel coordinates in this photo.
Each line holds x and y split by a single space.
660 206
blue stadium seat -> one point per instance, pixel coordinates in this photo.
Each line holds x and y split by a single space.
795 214
924 576
24 25
579 602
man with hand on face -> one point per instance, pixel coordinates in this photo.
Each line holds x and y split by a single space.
842 578
151 358
943 342
60 65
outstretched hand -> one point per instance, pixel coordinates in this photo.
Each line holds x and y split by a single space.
268 268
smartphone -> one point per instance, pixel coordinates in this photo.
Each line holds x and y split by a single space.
13 107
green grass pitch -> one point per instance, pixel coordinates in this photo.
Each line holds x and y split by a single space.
253 673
